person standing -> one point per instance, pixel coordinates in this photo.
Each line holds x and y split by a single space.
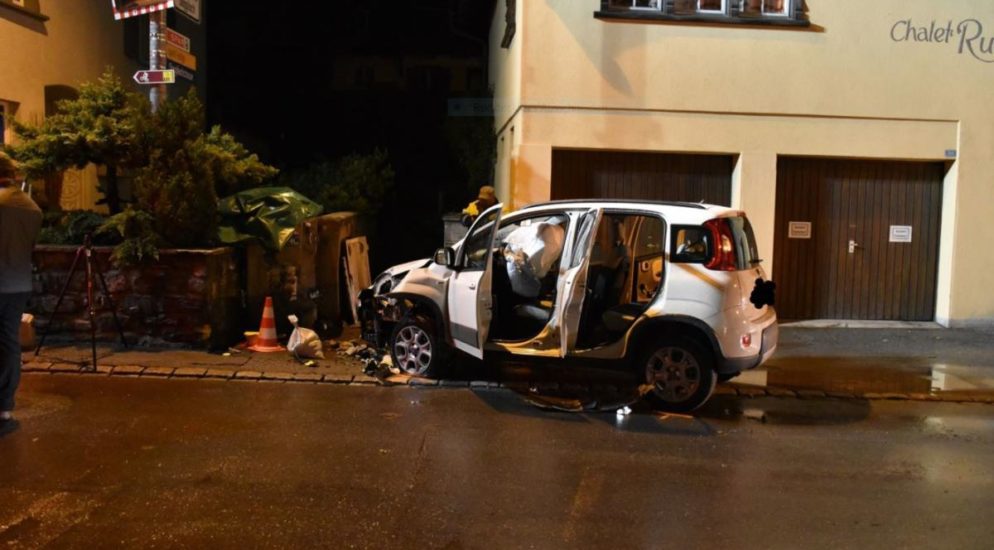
20 222
486 198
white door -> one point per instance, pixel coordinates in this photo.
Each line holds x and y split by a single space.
470 298
574 281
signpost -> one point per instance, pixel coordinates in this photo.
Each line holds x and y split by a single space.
155 77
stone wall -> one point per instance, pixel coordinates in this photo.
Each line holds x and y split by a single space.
189 297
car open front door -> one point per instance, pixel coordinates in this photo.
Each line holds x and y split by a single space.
470 298
574 280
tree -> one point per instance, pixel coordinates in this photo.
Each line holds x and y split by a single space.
101 127
358 183
186 170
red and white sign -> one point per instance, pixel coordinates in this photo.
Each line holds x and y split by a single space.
124 9
155 77
176 39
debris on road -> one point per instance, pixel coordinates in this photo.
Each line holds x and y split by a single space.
755 414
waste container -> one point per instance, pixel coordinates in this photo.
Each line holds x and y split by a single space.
453 229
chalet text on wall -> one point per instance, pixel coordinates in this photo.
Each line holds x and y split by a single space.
968 36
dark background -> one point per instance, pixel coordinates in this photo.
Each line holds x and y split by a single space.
295 82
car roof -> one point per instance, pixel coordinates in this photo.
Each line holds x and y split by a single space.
674 210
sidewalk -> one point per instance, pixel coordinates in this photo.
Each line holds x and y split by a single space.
922 364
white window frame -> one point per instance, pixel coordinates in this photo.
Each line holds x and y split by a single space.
633 6
788 6
722 11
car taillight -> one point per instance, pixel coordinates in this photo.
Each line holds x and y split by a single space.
723 258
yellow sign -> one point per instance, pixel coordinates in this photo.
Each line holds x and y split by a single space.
177 55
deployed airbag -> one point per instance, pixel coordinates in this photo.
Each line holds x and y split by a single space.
529 252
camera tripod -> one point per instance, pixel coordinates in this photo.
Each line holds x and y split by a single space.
86 253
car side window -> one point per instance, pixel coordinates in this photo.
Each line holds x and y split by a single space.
691 244
583 234
650 238
476 248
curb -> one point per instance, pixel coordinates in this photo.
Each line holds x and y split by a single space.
195 373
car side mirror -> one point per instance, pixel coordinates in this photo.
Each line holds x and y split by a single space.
445 256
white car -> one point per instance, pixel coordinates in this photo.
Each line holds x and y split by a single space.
673 290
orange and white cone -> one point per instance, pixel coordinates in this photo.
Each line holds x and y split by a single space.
266 341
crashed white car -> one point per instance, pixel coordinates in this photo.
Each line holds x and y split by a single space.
673 290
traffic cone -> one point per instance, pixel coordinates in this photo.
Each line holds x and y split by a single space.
266 341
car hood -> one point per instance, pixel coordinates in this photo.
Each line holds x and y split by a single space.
400 269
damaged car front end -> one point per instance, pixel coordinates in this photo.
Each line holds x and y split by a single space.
378 310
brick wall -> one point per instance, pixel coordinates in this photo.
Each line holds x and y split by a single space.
189 297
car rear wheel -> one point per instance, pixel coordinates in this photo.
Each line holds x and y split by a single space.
414 347
680 373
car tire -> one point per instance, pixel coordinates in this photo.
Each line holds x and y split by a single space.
415 347
680 373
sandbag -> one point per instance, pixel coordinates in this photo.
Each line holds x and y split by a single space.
304 342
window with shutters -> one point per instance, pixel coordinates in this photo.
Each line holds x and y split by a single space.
748 12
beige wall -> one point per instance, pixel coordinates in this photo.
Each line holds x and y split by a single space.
505 81
76 44
841 88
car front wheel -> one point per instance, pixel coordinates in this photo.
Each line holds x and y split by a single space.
680 374
414 347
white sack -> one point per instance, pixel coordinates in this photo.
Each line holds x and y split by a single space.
529 252
304 342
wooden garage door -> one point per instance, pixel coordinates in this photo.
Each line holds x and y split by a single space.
871 249
579 174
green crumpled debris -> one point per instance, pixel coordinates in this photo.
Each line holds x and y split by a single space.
266 214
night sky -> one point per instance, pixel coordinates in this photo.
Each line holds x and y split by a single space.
271 84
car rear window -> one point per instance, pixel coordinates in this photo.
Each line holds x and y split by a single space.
694 244
745 242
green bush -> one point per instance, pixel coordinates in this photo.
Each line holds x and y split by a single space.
179 170
70 227
136 232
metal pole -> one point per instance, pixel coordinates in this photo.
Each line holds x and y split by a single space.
156 55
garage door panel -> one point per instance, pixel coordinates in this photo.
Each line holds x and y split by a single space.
858 200
581 174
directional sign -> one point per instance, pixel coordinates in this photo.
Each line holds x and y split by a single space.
155 77
185 59
179 40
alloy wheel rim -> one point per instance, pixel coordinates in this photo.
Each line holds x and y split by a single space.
412 349
674 374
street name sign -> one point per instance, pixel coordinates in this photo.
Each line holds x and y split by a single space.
155 77
179 40
180 71
177 55
124 9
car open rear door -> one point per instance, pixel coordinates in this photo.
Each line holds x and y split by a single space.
574 280
470 297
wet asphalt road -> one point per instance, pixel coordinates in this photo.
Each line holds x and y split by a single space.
105 462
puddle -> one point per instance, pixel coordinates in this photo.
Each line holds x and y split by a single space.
786 412
901 375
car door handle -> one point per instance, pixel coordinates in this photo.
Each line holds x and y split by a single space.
472 286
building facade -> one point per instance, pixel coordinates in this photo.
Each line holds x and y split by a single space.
856 135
